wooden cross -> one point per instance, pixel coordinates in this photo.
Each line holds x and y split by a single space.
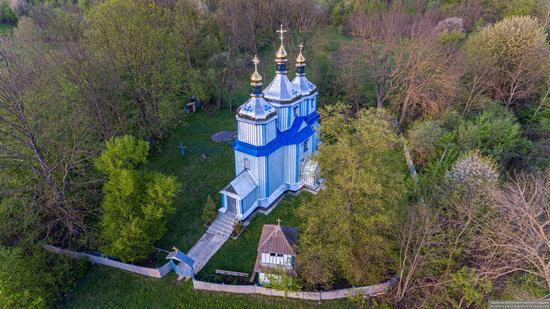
256 61
281 33
182 149
279 221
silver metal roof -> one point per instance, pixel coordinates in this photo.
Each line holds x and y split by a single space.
310 167
242 185
281 90
304 85
256 108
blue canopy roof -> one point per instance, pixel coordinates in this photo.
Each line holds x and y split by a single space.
180 257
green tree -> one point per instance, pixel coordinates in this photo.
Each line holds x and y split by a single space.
136 203
136 38
349 228
209 210
508 60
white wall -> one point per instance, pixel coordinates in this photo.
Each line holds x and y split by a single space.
284 260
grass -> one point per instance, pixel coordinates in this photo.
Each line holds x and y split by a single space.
199 176
240 254
6 28
108 288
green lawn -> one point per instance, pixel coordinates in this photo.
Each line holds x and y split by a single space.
199 176
240 254
108 288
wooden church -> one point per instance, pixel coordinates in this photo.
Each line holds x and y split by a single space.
278 130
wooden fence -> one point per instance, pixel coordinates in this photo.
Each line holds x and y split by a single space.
371 290
150 272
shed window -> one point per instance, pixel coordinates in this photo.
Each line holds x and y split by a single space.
246 163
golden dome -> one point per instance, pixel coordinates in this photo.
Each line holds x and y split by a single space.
301 60
281 53
255 78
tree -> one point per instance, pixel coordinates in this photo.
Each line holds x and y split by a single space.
349 228
44 142
136 203
507 61
135 38
424 80
379 33
516 237
19 7
438 240
209 210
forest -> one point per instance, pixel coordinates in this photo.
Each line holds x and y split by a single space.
91 89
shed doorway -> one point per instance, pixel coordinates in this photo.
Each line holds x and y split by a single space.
231 205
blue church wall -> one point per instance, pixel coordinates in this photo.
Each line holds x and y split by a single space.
271 131
291 136
256 167
248 201
257 135
276 176
284 120
290 163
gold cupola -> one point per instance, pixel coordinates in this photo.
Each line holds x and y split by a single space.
300 60
255 78
281 54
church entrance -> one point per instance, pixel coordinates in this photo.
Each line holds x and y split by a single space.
231 205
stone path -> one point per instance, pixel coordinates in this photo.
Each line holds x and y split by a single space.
205 248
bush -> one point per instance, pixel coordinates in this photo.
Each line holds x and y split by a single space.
35 278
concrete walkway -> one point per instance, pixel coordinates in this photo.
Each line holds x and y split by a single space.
202 251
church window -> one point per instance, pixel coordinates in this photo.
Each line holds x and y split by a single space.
272 254
305 145
296 109
312 103
246 163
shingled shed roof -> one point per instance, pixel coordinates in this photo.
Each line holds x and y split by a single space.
278 239
242 185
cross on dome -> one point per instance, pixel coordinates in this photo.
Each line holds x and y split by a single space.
280 56
301 46
279 221
256 61
282 33
256 78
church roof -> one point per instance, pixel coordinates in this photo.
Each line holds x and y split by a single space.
242 185
256 108
304 85
278 239
281 90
